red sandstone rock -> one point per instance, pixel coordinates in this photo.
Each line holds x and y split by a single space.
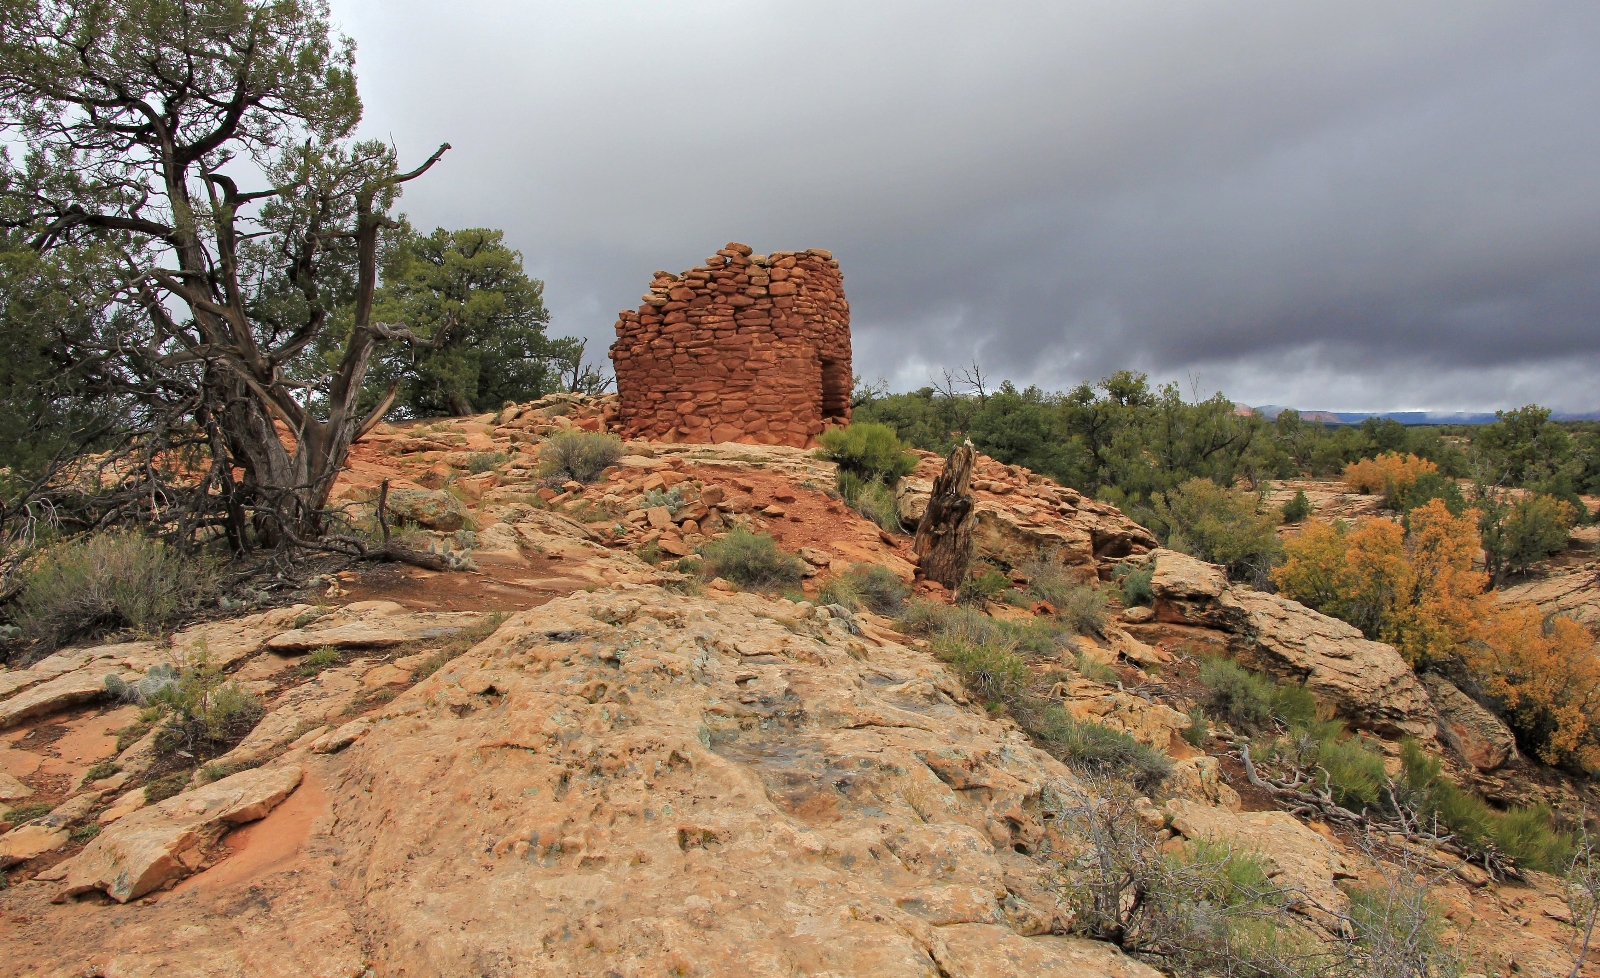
749 348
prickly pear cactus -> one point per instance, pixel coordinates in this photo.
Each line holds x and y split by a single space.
142 691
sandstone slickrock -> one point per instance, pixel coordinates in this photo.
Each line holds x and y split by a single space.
1368 682
11 789
301 708
84 685
74 677
751 348
434 509
1569 591
1481 738
22 844
384 631
1193 592
1019 516
143 850
736 783
1301 858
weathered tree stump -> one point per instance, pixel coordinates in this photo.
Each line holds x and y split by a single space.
944 535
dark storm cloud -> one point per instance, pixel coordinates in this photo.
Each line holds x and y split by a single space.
1334 205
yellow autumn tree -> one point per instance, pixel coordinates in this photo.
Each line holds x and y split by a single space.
1416 591
1388 473
1546 679
1419 592
1443 601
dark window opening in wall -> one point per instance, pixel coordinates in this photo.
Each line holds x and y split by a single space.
835 390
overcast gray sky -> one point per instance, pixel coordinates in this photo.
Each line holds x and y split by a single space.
1340 205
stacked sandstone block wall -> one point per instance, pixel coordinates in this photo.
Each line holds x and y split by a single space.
749 348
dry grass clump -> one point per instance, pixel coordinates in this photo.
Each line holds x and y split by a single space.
580 455
106 582
753 560
877 589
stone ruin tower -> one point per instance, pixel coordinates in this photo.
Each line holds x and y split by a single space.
748 348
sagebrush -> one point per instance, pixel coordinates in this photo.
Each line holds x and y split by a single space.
106 582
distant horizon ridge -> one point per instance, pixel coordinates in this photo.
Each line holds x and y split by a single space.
1406 417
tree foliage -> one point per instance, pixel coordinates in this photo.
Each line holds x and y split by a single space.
137 117
480 323
1546 678
1517 533
1123 440
1223 526
1414 590
1388 473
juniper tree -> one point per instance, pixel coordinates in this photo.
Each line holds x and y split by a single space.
192 162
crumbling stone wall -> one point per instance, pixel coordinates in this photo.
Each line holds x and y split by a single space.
749 348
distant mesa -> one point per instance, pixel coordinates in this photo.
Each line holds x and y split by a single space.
745 348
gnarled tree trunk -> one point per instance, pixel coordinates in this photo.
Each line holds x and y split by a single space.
944 536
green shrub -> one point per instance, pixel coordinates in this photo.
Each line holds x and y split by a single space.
1297 509
876 502
1097 749
479 462
872 499
129 735
580 455
1094 669
1082 609
925 617
28 811
1403 497
1135 583
1397 930
166 787
1294 706
1199 729
1520 534
1199 908
871 463
984 583
1252 701
319 659
110 581
870 586
985 655
100 771
841 590
84 833
993 671
1039 638
1525 835
217 770
871 452
1079 605
1222 526
1350 770
1237 695
218 720
753 560
204 716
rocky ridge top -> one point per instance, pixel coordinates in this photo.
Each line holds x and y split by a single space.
616 777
